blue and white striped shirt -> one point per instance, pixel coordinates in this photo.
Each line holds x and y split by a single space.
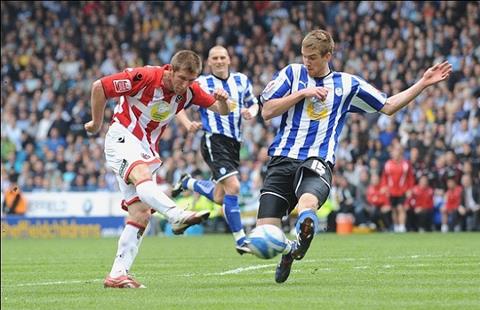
239 89
312 127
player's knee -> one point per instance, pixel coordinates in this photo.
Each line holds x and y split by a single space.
231 186
218 197
140 214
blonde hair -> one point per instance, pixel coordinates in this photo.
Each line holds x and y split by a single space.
187 60
319 40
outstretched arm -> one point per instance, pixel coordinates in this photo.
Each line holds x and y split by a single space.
98 102
433 75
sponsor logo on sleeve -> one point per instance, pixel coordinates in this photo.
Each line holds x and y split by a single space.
122 86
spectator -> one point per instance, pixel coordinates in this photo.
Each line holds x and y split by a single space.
380 210
14 201
451 215
470 205
399 180
421 206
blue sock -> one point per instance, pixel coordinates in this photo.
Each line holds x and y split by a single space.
204 188
307 214
231 211
185 183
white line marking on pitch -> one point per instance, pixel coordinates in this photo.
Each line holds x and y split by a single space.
241 269
54 283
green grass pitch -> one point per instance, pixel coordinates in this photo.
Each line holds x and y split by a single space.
371 271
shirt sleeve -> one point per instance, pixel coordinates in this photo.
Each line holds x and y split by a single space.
202 81
250 98
367 98
127 83
201 97
279 87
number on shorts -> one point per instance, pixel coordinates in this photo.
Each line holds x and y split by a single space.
318 167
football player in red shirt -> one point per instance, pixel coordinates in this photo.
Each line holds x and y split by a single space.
149 97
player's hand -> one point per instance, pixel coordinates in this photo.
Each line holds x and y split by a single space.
246 114
220 95
194 127
92 128
437 73
316 92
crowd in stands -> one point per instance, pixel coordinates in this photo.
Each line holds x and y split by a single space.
53 51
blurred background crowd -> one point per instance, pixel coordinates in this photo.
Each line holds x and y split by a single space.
53 51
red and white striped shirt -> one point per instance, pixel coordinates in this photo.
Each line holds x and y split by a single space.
145 106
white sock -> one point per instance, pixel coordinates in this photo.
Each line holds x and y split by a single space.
127 250
288 248
150 193
239 235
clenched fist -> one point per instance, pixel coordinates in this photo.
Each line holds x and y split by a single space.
220 95
92 128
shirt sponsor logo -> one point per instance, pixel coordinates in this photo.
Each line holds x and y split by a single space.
233 105
122 86
160 111
316 109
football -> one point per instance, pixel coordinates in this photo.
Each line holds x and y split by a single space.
267 241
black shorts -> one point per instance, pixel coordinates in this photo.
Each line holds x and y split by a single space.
395 201
222 155
287 179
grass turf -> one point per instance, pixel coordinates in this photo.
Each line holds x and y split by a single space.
371 271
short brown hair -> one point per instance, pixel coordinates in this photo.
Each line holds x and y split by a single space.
320 40
187 60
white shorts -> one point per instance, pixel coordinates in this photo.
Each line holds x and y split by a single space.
123 151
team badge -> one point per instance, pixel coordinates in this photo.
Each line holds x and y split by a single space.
178 99
338 91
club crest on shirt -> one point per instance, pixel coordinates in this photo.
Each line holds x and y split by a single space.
316 109
160 111
338 91
122 86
